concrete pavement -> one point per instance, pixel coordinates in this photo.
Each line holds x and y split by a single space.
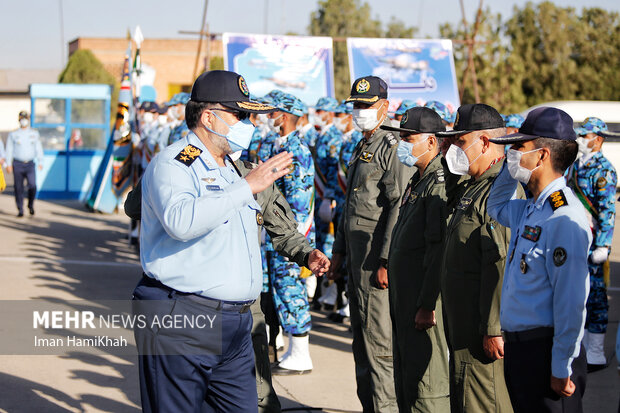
66 253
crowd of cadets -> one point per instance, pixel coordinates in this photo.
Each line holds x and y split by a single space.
323 140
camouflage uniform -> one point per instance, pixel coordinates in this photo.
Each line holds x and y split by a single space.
404 106
289 290
594 182
442 110
326 152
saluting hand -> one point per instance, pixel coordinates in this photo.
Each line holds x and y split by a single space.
318 263
563 387
493 347
266 173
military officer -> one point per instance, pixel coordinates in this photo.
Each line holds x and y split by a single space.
23 148
593 179
421 368
326 153
289 290
307 131
546 277
199 221
475 255
177 110
376 182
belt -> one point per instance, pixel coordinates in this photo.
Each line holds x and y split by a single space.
17 160
527 335
220 305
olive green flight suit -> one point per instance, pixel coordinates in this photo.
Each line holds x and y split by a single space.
279 221
471 284
376 181
421 366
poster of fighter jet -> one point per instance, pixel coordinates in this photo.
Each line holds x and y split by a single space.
420 70
302 66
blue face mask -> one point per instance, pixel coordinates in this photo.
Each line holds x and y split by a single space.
405 155
239 135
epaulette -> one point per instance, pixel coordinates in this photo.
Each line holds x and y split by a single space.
390 139
188 155
439 176
557 199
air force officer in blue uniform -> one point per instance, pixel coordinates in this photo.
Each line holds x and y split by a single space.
200 254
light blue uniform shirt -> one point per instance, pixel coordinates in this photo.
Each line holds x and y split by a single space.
199 226
546 280
24 145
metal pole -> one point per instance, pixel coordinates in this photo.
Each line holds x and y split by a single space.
62 34
202 29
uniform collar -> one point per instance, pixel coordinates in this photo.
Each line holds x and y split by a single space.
492 171
433 165
205 155
379 133
555 185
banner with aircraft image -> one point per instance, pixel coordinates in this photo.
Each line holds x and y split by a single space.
419 70
299 65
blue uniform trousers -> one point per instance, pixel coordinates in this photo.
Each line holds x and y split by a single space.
214 381
597 306
21 171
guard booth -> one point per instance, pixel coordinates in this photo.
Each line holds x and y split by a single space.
74 124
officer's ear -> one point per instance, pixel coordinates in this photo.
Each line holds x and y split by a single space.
485 142
206 118
546 155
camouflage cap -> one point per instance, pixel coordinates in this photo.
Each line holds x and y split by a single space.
344 107
591 125
442 110
291 104
514 120
326 103
404 106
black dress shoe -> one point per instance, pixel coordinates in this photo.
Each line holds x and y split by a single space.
20 214
31 210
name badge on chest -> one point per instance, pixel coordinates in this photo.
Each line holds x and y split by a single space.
531 233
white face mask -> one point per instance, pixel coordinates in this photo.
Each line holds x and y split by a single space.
518 172
272 124
583 143
457 159
304 129
366 119
318 121
147 118
162 119
23 122
340 123
262 119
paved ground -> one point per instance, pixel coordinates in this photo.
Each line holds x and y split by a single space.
65 253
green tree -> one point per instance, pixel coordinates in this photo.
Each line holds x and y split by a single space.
349 18
84 68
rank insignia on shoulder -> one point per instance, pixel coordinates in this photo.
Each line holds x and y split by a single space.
391 140
464 203
601 182
531 233
439 176
367 156
188 155
557 199
259 218
559 256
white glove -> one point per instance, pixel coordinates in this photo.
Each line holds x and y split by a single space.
599 255
326 212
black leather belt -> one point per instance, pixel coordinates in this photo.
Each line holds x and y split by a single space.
527 335
220 305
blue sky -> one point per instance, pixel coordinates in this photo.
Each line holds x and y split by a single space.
31 36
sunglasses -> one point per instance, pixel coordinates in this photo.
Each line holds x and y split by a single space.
236 113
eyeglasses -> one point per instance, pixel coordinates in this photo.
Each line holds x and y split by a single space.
239 115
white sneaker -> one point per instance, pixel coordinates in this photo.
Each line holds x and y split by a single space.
299 361
329 295
288 350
